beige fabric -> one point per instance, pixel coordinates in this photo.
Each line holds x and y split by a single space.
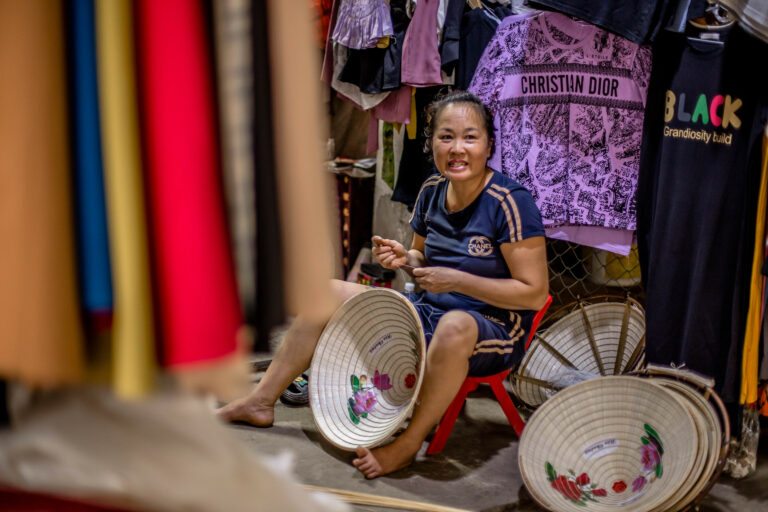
164 453
41 338
234 62
304 187
349 129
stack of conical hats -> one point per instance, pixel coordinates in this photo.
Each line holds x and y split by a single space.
626 443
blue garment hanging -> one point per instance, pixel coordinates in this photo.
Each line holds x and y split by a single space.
90 209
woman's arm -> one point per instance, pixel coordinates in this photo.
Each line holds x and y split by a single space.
415 256
526 289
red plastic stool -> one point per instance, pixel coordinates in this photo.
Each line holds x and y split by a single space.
445 426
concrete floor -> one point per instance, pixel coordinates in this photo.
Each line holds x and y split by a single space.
477 470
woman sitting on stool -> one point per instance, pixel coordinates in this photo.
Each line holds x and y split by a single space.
478 246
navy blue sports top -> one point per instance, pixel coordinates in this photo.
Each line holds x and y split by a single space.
469 240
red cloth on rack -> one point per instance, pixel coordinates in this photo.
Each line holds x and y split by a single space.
198 302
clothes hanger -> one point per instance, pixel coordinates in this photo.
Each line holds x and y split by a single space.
489 12
716 18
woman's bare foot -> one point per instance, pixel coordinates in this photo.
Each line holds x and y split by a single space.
249 410
384 460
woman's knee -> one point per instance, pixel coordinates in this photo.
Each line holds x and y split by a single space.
456 333
344 290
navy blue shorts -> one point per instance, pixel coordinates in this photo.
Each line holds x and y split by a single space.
501 335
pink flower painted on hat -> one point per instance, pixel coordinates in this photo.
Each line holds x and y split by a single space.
365 401
363 398
650 456
639 483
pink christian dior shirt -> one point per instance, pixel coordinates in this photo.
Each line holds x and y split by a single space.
568 101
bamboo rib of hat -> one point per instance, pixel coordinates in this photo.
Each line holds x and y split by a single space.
605 338
367 369
610 443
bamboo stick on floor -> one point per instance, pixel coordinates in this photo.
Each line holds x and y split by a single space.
361 498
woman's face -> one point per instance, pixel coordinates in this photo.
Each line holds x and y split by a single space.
460 143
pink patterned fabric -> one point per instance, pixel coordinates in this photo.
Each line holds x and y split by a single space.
568 100
618 241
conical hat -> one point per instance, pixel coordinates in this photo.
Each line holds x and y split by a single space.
367 369
610 443
605 338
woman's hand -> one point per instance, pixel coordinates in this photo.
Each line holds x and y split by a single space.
389 253
438 279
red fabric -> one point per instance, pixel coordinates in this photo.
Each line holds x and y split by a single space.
199 310
16 500
326 74
322 10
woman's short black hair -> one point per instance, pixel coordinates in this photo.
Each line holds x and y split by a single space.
457 96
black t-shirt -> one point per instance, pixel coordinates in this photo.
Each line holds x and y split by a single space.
697 197
636 20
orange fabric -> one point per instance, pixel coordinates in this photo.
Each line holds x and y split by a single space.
41 335
751 355
763 400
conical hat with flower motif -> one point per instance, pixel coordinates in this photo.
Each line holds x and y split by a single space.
367 369
610 443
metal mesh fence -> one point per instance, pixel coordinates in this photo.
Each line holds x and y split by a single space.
577 271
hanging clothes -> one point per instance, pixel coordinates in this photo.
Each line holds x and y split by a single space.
375 70
636 20
234 61
322 10
421 58
618 241
198 301
477 29
415 163
751 357
42 338
349 91
697 196
449 43
362 23
568 101
133 330
326 72
90 207
396 108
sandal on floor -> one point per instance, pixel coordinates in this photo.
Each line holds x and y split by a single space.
297 392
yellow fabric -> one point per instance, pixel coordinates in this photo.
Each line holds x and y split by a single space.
411 126
41 334
134 364
751 356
